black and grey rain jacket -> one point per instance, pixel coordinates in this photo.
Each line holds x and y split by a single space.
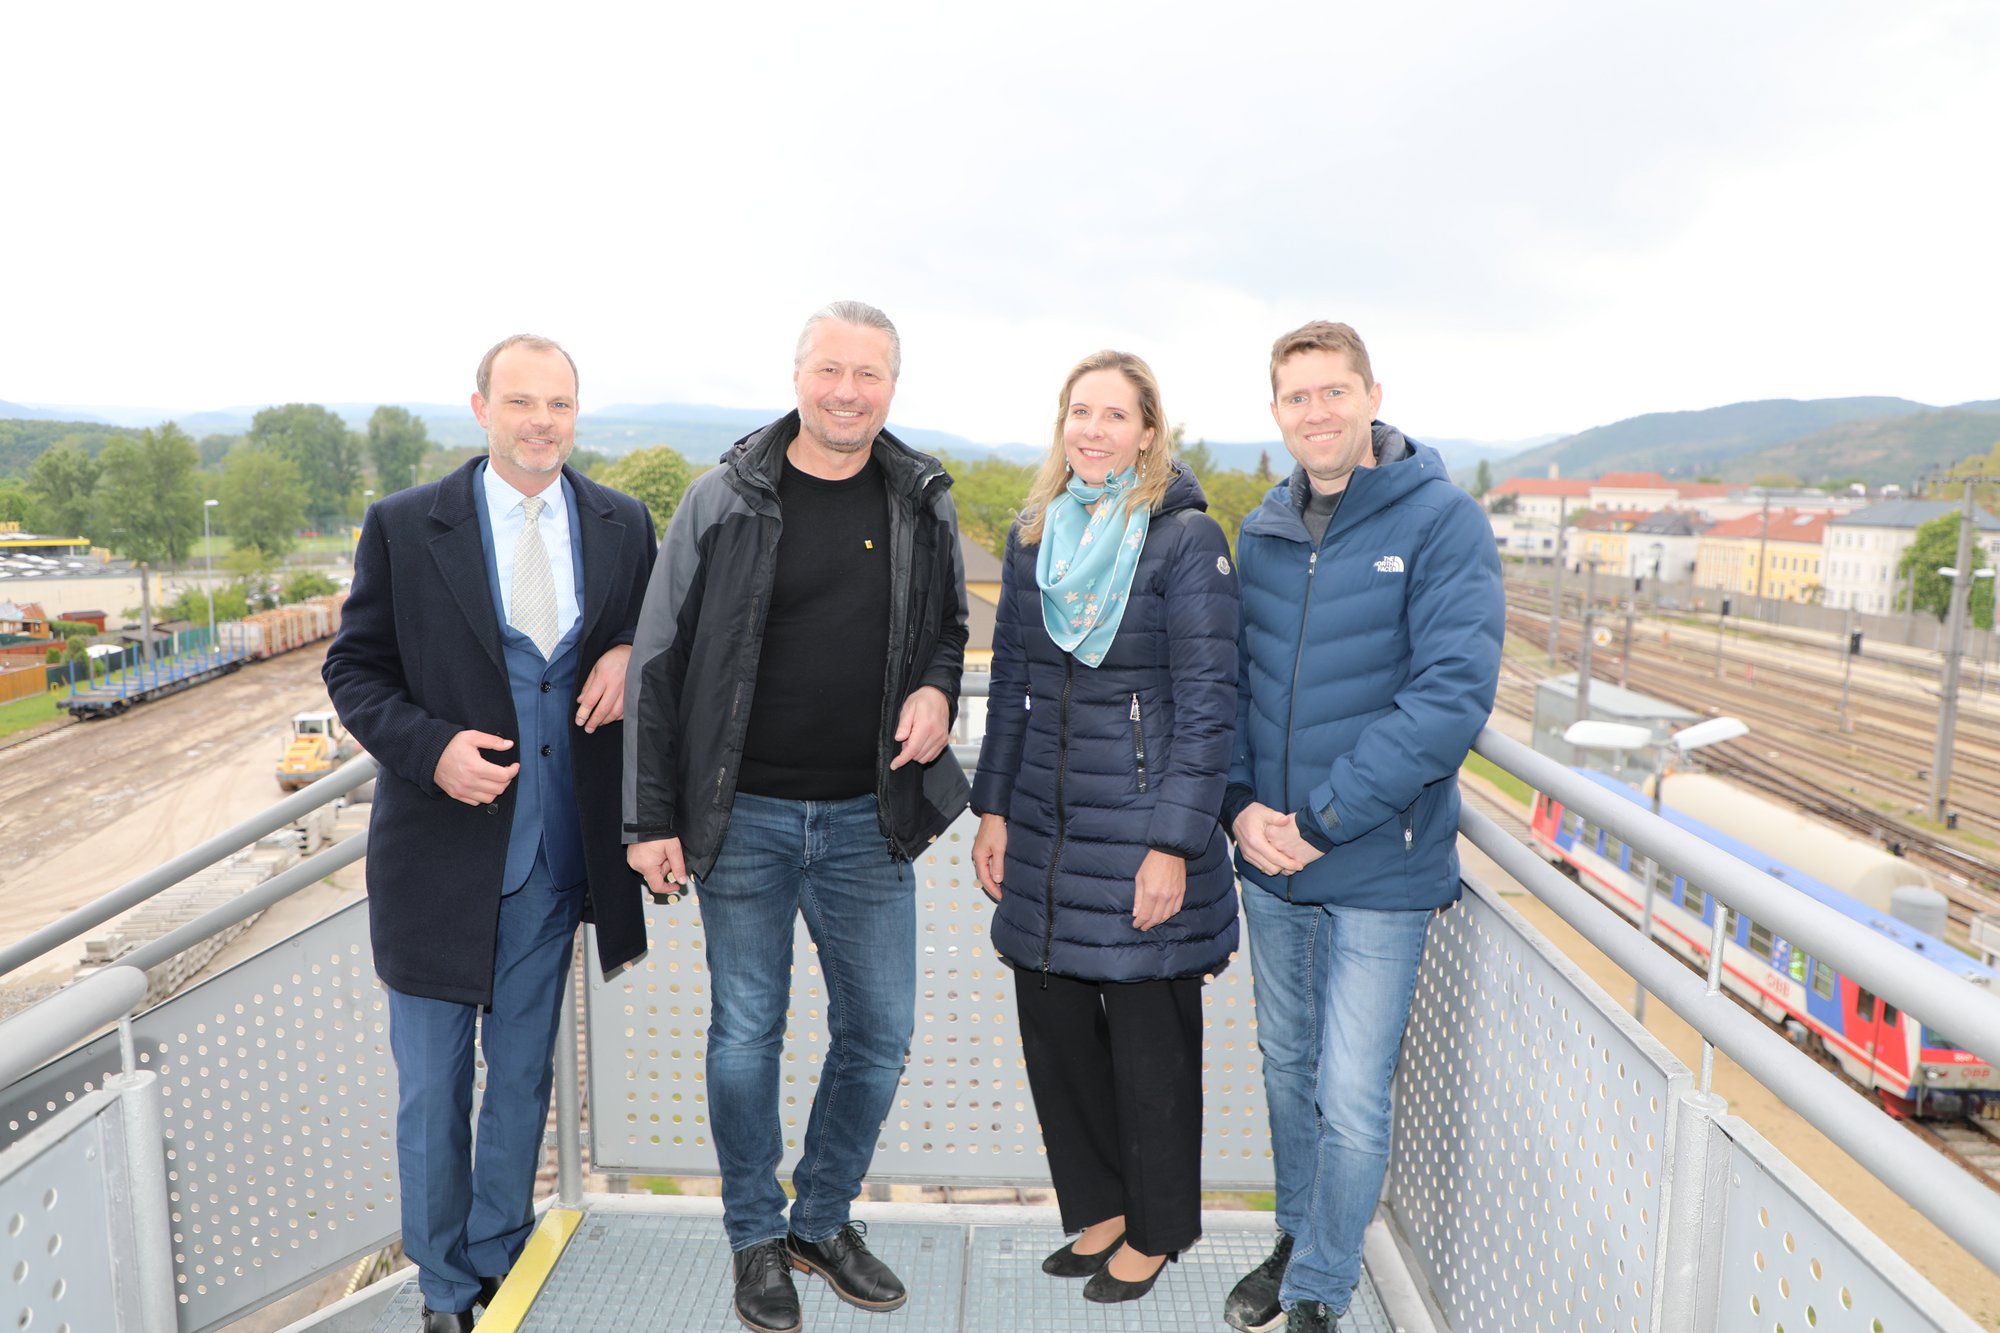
694 661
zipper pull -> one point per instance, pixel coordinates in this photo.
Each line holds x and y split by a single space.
1027 703
1312 561
1409 838
1134 715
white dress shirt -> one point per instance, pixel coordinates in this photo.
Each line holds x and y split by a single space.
503 507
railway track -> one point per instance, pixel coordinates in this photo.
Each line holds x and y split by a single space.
1882 762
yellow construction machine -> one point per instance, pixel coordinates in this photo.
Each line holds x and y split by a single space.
318 745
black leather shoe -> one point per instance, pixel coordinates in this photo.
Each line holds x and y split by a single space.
766 1301
1311 1317
1070 1262
489 1287
1108 1290
447 1321
1253 1306
855 1275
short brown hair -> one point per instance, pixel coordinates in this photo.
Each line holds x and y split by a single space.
533 343
1322 335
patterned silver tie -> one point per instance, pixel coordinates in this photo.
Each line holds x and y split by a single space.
534 586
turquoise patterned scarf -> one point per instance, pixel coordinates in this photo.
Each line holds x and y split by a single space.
1086 563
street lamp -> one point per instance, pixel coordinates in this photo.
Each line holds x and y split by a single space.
1624 737
208 579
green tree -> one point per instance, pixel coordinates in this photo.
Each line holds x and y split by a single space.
1264 473
1231 497
1936 547
263 500
215 448
1482 480
64 480
326 453
988 494
1196 456
397 443
148 501
308 584
656 477
18 505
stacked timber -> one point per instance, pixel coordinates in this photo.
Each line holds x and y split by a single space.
268 633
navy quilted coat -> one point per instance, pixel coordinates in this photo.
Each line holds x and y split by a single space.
1370 664
1094 766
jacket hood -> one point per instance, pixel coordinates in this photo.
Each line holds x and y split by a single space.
1183 492
1401 466
757 460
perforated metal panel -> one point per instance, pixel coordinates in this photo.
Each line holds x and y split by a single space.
963 1113
1531 1134
57 1267
1794 1259
279 1099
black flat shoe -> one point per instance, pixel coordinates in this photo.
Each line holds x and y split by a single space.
1070 1262
1108 1290
489 1287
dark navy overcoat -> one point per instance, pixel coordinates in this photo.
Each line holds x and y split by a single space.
417 660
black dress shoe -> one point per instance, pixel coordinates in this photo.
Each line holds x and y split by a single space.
1108 1290
489 1287
855 1275
1071 1262
766 1301
447 1321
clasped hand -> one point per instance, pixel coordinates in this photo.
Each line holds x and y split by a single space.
1270 841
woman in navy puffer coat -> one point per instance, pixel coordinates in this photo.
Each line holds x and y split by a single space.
1099 786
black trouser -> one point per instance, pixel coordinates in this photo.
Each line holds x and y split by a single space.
1116 1072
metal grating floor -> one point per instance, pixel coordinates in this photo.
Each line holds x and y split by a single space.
670 1274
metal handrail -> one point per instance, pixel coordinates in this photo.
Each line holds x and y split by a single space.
162 877
1970 1013
51 1026
1961 1207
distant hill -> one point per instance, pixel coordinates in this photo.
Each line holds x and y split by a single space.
1459 455
1689 444
23 441
21 412
1880 449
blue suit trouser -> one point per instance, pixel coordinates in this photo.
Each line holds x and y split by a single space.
466 1216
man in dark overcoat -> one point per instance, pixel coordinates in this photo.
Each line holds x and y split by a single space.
481 660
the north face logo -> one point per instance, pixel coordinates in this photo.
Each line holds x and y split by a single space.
1389 564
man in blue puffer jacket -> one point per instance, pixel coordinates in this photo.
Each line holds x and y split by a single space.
1372 622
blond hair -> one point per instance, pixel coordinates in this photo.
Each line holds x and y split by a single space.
1155 463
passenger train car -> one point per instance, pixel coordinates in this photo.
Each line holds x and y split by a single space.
1916 1069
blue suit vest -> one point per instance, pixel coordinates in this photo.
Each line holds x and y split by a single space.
545 815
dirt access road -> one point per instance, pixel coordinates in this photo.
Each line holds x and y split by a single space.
89 806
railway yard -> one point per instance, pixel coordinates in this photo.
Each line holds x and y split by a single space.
1872 779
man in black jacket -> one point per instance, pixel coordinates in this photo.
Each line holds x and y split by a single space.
481 660
791 695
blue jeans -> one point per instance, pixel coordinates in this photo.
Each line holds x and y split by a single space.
829 861
467 1217
1372 958
1289 948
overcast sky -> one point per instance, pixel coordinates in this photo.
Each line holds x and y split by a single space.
1542 215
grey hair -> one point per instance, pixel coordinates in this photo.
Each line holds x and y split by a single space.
860 314
534 343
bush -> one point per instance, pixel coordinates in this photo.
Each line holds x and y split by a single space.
301 586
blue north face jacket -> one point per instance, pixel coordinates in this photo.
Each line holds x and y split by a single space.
1368 668
1093 767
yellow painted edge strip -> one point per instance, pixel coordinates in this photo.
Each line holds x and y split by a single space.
531 1270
